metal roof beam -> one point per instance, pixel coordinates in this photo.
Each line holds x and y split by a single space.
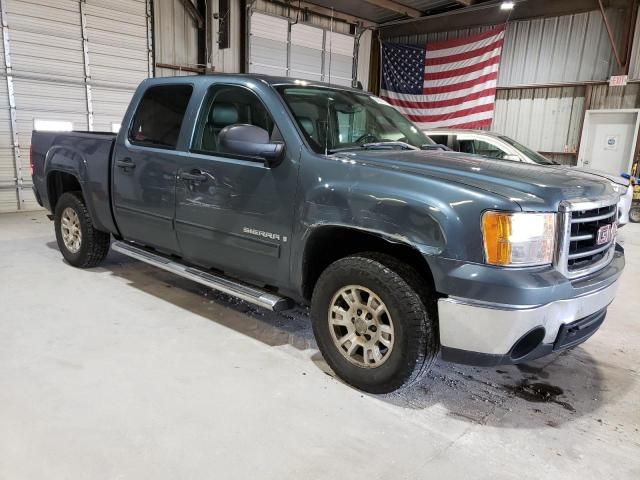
483 14
466 3
396 7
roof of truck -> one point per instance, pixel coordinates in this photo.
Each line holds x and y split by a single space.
455 131
269 79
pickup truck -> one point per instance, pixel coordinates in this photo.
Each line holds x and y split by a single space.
277 190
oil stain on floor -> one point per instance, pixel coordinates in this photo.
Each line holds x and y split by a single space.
539 393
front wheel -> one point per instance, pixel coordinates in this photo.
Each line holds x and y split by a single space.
634 214
374 320
80 243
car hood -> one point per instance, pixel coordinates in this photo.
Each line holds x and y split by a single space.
533 187
599 173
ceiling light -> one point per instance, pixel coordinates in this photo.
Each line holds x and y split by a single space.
507 5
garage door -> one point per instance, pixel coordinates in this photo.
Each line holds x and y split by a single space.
300 50
70 65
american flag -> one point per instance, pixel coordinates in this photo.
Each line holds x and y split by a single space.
446 84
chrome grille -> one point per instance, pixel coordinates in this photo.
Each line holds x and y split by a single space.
583 247
578 250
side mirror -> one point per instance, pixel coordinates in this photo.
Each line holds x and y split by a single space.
250 141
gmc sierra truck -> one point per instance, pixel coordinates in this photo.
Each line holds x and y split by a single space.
277 190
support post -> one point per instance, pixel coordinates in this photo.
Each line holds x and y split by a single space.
12 107
151 64
87 68
610 33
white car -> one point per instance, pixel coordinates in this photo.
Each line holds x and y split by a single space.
493 145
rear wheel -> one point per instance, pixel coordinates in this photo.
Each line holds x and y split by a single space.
80 243
374 321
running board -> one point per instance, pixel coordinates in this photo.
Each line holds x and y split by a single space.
235 288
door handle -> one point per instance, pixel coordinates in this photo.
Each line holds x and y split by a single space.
125 163
193 176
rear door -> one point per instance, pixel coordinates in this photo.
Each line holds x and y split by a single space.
235 213
145 165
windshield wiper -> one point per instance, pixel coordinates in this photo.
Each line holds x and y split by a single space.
389 145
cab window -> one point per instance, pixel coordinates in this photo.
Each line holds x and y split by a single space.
480 147
227 105
159 116
439 139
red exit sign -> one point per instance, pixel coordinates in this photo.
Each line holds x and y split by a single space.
618 80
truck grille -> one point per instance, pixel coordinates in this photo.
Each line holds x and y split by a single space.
584 249
588 238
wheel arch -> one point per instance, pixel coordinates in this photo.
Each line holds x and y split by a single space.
59 182
345 241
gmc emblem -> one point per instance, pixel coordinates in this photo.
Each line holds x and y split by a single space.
606 233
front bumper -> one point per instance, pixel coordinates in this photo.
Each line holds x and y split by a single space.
624 206
484 333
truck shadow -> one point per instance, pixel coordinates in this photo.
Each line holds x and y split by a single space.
546 393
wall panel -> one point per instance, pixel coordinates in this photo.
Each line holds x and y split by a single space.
544 119
71 61
176 37
299 50
569 48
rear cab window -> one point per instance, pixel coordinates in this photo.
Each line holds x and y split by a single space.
158 119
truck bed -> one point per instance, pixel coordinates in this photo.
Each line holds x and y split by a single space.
87 156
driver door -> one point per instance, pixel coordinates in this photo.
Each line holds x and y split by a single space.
235 213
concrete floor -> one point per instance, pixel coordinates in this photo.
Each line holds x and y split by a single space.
127 372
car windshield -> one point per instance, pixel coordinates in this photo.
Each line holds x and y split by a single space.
335 120
534 156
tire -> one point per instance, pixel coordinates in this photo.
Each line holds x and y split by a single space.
634 214
411 316
92 245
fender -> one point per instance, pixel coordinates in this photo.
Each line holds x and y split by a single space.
93 178
418 211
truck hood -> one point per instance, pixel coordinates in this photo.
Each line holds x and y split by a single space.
599 173
533 187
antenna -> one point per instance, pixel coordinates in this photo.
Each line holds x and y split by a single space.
326 133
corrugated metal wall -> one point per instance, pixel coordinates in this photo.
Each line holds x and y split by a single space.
310 18
227 59
424 38
606 97
176 37
364 58
280 47
547 119
70 61
118 56
570 48
634 65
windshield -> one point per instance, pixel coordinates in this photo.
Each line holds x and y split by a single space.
534 156
335 120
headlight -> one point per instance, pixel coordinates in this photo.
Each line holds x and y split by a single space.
518 239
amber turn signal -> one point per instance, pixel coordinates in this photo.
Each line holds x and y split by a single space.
518 239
